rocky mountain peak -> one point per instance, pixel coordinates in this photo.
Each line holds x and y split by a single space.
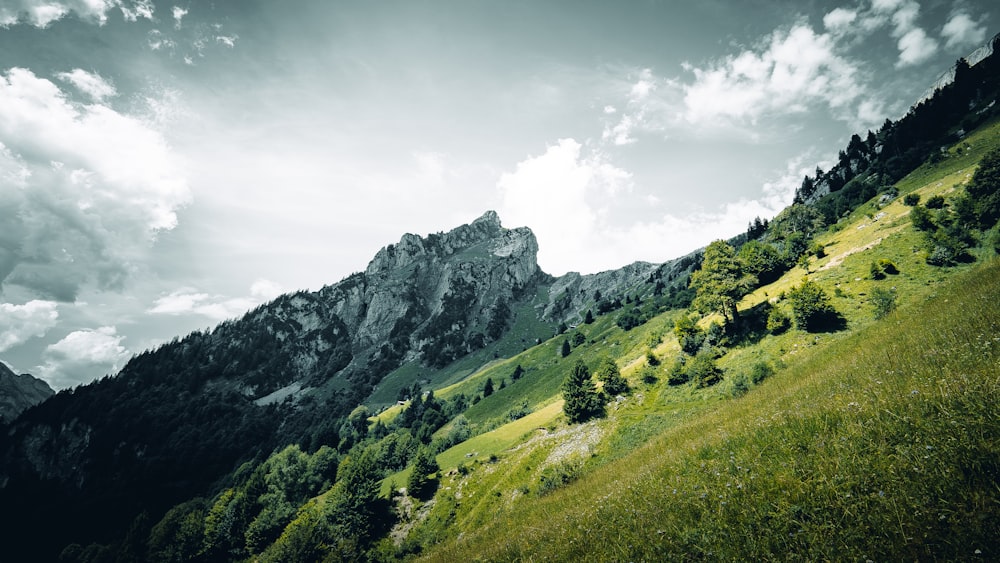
18 392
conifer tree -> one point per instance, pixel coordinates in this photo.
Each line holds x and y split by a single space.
614 383
582 401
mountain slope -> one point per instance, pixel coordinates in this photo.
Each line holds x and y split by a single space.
18 392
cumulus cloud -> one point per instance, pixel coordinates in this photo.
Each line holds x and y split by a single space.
41 13
839 19
178 14
962 31
85 189
646 98
82 356
189 301
789 72
914 44
576 181
89 83
19 323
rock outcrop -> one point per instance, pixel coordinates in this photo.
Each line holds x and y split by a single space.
18 392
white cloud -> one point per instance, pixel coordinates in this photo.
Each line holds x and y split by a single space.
178 14
91 84
87 189
83 355
577 236
227 40
790 72
189 301
962 31
41 13
915 47
266 289
839 19
19 323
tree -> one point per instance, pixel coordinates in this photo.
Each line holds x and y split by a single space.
811 307
582 401
423 466
565 350
518 372
689 335
588 318
721 282
608 372
488 387
984 190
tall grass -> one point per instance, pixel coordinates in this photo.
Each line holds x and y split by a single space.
884 445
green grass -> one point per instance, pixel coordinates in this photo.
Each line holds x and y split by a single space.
884 445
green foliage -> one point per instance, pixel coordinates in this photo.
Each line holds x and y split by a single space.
921 219
589 317
582 401
689 334
721 282
677 374
875 272
421 477
935 202
629 319
911 199
180 534
741 385
651 359
984 190
565 349
760 371
811 307
883 301
778 321
556 476
762 260
608 372
488 387
702 370
579 339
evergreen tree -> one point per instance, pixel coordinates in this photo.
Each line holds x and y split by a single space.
488 388
518 372
423 466
721 282
614 383
582 401
565 350
589 317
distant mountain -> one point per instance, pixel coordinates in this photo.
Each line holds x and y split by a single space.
18 392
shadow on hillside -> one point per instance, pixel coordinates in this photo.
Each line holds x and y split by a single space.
753 325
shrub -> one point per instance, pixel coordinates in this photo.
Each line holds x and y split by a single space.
888 266
556 476
778 321
740 386
811 307
689 335
935 202
760 371
921 219
883 301
651 359
911 199
875 272
703 371
677 374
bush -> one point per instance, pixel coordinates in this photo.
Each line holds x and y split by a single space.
760 371
740 386
703 371
677 374
811 307
911 199
778 321
651 359
888 266
921 219
883 301
935 202
875 272
556 476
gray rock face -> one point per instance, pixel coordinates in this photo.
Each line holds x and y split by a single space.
18 392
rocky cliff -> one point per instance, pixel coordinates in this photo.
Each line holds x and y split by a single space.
18 392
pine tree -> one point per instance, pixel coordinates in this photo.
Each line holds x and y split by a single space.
488 388
423 466
582 401
565 348
614 383
589 318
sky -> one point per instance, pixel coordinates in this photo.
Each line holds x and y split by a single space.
168 165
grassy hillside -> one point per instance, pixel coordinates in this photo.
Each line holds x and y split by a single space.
884 445
875 441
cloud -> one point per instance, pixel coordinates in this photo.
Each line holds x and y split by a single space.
189 301
962 31
19 323
227 40
82 356
915 47
788 73
178 14
839 19
41 13
562 195
91 84
86 189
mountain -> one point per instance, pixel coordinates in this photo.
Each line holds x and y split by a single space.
18 392
291 371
